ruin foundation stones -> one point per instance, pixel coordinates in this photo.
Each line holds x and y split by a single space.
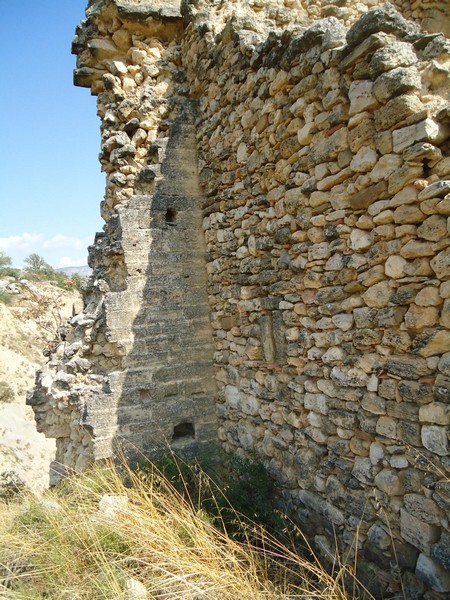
274 270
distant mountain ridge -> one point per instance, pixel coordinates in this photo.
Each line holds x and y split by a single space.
83 271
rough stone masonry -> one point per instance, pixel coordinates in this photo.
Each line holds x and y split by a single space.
274 270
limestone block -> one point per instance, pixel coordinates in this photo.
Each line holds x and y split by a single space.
396 110
402 410
396 54
433 574
135 590
399 461
438 189
232 396
360 240
441 550
402 177
427 130
374 403
389 482
432 342
437 413
441 264
442 168
352 377
317 403
361 97
433 229
102 48
363 469
407 366
445 315
343 322
385 166
378 295
368 196
422 508
305 134
376 453
408 214
419 317
118 67
332 180
398 81
407 195
416 249
418 533
395 266
434 438
364 160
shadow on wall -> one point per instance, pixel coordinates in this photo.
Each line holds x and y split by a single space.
167 385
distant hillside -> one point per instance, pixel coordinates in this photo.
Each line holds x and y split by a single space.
83 271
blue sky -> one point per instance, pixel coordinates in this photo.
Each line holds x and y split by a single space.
50 180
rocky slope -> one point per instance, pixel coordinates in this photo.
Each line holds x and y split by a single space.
27 327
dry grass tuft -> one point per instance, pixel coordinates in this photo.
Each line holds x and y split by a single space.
145 541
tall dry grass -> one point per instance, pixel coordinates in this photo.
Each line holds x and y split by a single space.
103 535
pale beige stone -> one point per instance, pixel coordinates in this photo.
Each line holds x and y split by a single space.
332 180
434 438
408 214
427 130
438 343
395 266
436 413
378 295
360 240
419 317
407 195
419 534
364 160
361 97
428 296
433 229
416 249
441 264
385 166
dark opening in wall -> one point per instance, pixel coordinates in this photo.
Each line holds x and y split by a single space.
183 431
171 217
145 395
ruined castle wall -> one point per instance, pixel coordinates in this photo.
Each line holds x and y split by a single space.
325 163
277 202
136 372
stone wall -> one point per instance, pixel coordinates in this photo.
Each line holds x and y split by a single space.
323 174
324 159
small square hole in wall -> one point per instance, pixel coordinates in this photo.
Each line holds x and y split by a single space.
144 395
183 431
171 217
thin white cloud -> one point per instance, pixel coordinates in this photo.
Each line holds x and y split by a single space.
20 242
64 241
66 261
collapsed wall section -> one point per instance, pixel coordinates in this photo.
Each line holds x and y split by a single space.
136 371
324 157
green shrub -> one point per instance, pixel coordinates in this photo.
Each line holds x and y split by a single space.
10 272
5 297
11 486
237 494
